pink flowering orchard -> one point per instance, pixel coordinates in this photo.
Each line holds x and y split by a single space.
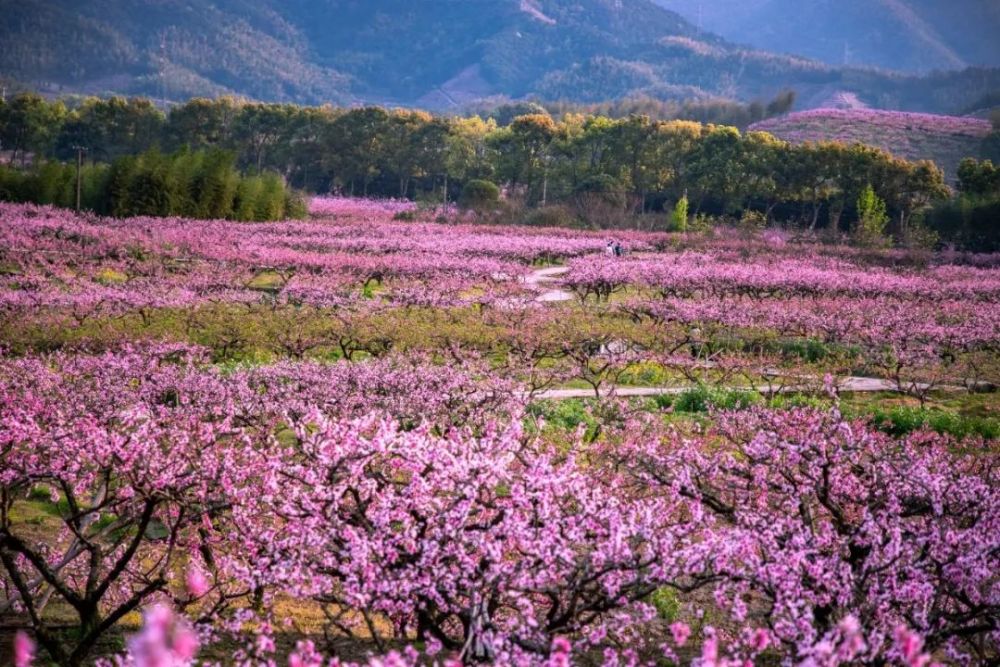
388 436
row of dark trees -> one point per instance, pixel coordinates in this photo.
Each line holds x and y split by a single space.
195 184
972 218
636 163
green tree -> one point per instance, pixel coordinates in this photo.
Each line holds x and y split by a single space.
257 128
152 190
505 114
355 148
29 123
635 151
915 187
111 128
713 170
201 123
414 147
214 186
767 171
872 218
815 177
302 154
467 155
679 216
980 179
524 153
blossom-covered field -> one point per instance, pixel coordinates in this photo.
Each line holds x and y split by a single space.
359 439
914 136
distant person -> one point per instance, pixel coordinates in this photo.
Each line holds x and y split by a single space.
609 249
618 250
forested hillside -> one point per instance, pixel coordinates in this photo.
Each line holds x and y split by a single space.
437 54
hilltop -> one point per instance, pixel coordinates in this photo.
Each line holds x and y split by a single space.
914 136
438 54
904 35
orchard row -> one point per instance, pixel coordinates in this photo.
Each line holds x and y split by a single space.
417 506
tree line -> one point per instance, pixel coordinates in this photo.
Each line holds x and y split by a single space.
971 219
595 165
194 184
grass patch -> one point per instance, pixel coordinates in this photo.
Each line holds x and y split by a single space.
704 398
901 420
111 277
567 415
791 401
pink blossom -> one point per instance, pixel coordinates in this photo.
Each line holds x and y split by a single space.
709 649
165 641
24 650
680 632
760 640
195 582
909 645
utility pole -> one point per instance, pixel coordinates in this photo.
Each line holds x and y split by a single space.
79 171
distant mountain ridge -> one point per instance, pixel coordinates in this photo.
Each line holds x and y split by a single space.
439 54
905 35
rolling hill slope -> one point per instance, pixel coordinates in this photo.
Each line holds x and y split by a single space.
943 139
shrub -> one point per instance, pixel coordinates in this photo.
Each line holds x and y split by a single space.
296 205
247 194
551 216
567 415
601 188
702 223
752 220
479 195
703 398
902 420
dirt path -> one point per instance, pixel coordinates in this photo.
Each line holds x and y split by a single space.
857 385
543 282
540 281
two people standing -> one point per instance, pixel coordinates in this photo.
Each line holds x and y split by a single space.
614 249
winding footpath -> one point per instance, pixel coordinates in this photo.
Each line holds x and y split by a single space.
541 281
853 384
545 283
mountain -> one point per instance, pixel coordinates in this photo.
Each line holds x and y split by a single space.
166 48
439 54
904 35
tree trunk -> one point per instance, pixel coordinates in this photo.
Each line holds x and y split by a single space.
815 216
835 220
768 211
